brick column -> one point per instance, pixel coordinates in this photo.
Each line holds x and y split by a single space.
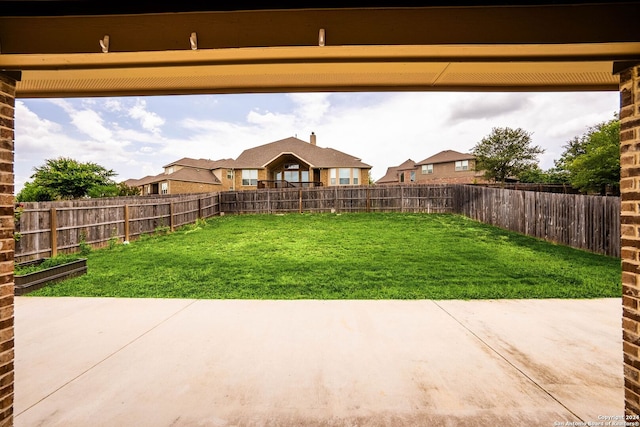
7 96
630 229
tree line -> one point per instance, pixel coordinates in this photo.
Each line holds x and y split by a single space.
590 162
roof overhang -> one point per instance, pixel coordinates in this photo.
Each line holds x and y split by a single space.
287 153
487 47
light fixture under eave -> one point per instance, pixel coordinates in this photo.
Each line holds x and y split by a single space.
104 44
321 37
193 40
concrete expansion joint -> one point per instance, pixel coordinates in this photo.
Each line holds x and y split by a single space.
109 356
544 390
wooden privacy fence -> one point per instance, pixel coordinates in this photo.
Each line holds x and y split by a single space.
96 221
586 222
409 198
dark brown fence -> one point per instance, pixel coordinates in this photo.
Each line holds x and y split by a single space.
585 222
96 221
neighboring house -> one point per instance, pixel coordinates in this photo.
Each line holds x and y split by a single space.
290 162
445 167
449 167
187 176
399 174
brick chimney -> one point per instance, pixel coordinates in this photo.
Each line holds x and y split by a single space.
312 139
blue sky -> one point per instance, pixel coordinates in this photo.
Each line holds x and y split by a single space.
136 136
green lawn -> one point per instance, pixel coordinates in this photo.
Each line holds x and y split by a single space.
348 256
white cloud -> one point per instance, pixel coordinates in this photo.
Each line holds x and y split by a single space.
383 129
489 107
113 104
311 107
90 123
38 139
149 120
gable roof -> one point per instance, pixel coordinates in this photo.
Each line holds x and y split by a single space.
446 156
406 165
186 174
192 175
143 181
392 171
200 163
390 176
318 157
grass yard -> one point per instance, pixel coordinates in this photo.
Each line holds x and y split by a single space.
348 256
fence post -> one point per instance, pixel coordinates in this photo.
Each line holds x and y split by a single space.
126 223
171 216
300 202
368 200
268 200
199 208
53 223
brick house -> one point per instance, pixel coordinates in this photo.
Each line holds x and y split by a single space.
290 162
445 167
399 174
187 176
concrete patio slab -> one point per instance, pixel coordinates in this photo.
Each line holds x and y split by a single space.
108 362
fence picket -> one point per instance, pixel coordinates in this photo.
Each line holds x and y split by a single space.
585 222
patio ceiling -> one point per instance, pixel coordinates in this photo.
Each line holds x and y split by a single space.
488 47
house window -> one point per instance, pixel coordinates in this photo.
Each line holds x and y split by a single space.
164 188
413 176
170 170
427 169
229 174
462 165
344 176
401 176
292 176
250 177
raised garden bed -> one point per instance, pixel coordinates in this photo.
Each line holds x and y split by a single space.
25 283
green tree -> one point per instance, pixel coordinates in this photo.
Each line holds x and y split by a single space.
65 178
505 153
592 160
125 190
98 191
536 175
34 193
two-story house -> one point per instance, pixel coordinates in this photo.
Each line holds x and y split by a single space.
445 167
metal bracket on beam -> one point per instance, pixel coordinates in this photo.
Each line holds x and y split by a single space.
104 44
321 39
193 40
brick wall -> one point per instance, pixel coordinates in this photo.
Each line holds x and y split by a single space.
7 95
446 173
185 187
630 233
